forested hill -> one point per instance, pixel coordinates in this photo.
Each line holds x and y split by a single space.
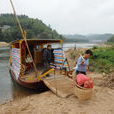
35 28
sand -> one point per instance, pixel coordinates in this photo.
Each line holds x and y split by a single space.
3 44
102 102
49 103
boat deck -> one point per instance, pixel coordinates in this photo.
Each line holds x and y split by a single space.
30 76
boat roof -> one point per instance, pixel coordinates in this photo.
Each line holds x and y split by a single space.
38 40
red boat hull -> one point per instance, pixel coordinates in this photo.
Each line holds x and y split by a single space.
33 85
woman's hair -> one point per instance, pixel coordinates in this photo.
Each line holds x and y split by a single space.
89 52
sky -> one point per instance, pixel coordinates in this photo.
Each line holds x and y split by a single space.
68 16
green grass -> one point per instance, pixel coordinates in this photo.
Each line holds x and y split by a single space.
103 59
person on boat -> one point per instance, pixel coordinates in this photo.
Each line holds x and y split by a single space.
83 63
47 57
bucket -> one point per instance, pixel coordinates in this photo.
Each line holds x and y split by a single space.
83 93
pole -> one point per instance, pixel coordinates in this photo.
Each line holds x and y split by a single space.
23 33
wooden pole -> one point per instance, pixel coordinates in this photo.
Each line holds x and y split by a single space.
23 35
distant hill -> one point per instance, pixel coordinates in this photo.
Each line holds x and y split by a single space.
75 36
35 28
111 39
90 37
99 37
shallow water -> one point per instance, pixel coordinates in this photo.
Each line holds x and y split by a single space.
11 90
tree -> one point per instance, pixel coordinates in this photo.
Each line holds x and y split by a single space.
35 28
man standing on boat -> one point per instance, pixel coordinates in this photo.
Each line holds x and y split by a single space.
47 57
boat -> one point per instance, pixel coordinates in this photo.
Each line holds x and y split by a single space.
22 69
27 68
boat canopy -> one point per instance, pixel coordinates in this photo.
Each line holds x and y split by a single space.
40 41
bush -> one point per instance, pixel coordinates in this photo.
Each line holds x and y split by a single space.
103 60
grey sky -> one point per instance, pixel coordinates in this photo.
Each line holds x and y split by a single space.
68 16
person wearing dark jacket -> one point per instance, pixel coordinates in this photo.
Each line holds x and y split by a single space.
47 57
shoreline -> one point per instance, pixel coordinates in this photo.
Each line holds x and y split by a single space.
4 44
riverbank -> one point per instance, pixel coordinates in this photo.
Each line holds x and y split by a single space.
48 103
3 44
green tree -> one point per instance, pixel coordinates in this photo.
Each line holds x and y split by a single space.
35 28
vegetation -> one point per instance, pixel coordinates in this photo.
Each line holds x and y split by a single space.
35 28
103 59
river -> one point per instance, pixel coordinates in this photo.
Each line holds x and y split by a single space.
10 90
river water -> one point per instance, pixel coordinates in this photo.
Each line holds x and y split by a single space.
10 90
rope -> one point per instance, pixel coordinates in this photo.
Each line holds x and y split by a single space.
23 35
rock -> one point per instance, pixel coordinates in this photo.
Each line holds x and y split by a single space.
104 74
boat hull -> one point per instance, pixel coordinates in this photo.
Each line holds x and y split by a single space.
33 85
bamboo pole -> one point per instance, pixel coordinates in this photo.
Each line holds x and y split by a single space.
23 33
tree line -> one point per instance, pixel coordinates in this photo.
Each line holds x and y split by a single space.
35 28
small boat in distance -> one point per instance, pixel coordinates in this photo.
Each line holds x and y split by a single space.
21 65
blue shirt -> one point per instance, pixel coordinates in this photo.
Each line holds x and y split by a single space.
82 67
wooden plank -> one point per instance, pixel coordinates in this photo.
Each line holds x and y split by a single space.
61 86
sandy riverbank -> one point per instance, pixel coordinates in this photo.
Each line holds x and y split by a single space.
48 103
3 44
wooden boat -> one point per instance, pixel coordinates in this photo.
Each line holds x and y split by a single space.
23 72
21 66
26 64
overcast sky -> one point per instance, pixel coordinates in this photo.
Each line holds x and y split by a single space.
68 16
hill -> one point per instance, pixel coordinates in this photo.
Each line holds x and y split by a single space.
35 28
111 39
89 38
75 38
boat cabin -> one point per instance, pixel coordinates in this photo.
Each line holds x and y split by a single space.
21 63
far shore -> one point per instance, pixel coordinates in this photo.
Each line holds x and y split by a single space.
4 44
